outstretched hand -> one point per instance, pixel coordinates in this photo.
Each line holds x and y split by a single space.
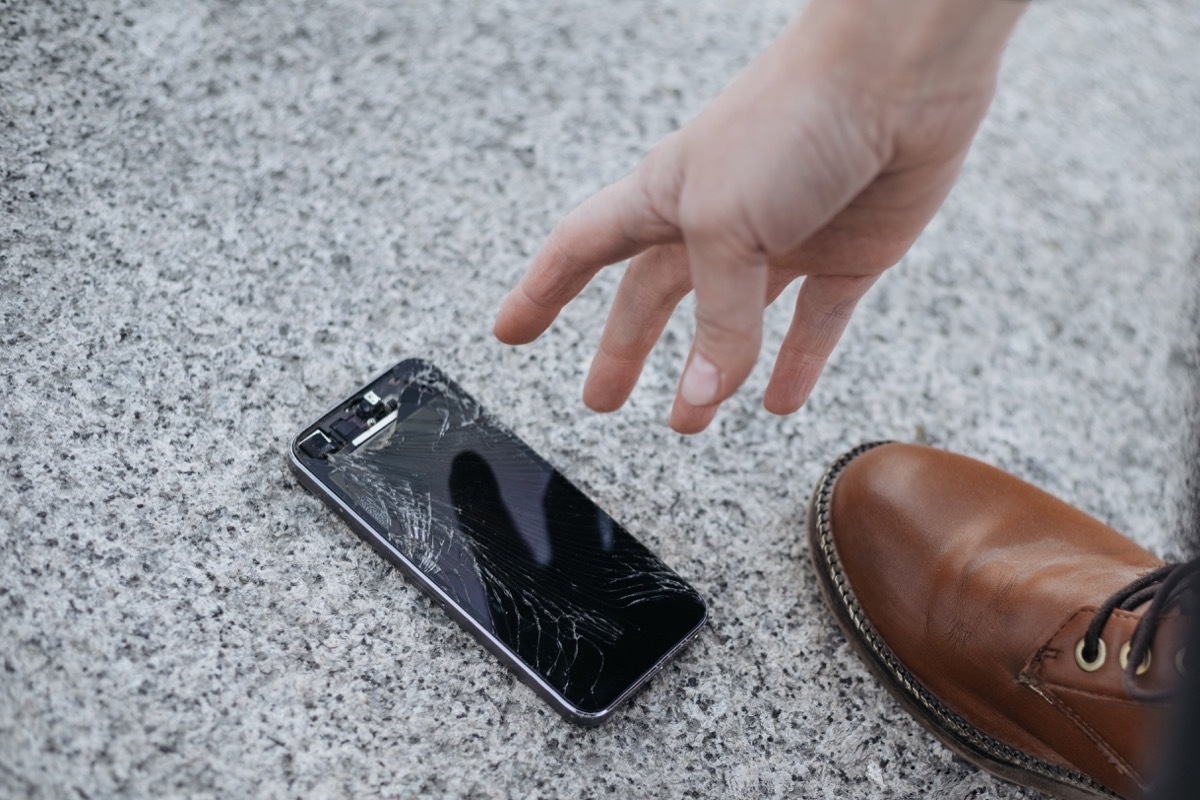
825 159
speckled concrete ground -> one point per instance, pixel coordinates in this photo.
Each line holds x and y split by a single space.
217 218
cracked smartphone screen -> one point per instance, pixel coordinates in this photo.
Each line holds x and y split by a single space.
548 580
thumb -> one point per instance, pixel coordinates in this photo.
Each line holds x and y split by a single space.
730 281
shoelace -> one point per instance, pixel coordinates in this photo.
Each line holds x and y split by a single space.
1164 587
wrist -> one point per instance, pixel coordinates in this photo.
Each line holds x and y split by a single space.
907 48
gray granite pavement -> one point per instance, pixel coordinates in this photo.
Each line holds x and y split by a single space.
216 218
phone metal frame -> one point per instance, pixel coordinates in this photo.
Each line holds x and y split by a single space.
525 673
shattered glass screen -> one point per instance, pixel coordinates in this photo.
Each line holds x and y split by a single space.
517 546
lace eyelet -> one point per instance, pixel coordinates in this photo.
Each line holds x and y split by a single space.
1180 667
1123 658
1090 666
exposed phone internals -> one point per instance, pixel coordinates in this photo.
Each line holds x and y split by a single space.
546 580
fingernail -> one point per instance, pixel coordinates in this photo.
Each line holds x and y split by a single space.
699 382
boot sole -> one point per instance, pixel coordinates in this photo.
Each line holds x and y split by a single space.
964 739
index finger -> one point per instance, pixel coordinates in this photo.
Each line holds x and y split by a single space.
614 224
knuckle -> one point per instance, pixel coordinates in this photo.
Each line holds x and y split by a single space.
798 356
727 327
702 217
628 353
539 296
657 184
657 292
732 347
561 257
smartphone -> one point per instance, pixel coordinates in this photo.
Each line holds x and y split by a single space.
520 557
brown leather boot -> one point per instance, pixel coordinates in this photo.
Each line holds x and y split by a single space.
1001 617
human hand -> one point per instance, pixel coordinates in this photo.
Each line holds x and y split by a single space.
825 159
